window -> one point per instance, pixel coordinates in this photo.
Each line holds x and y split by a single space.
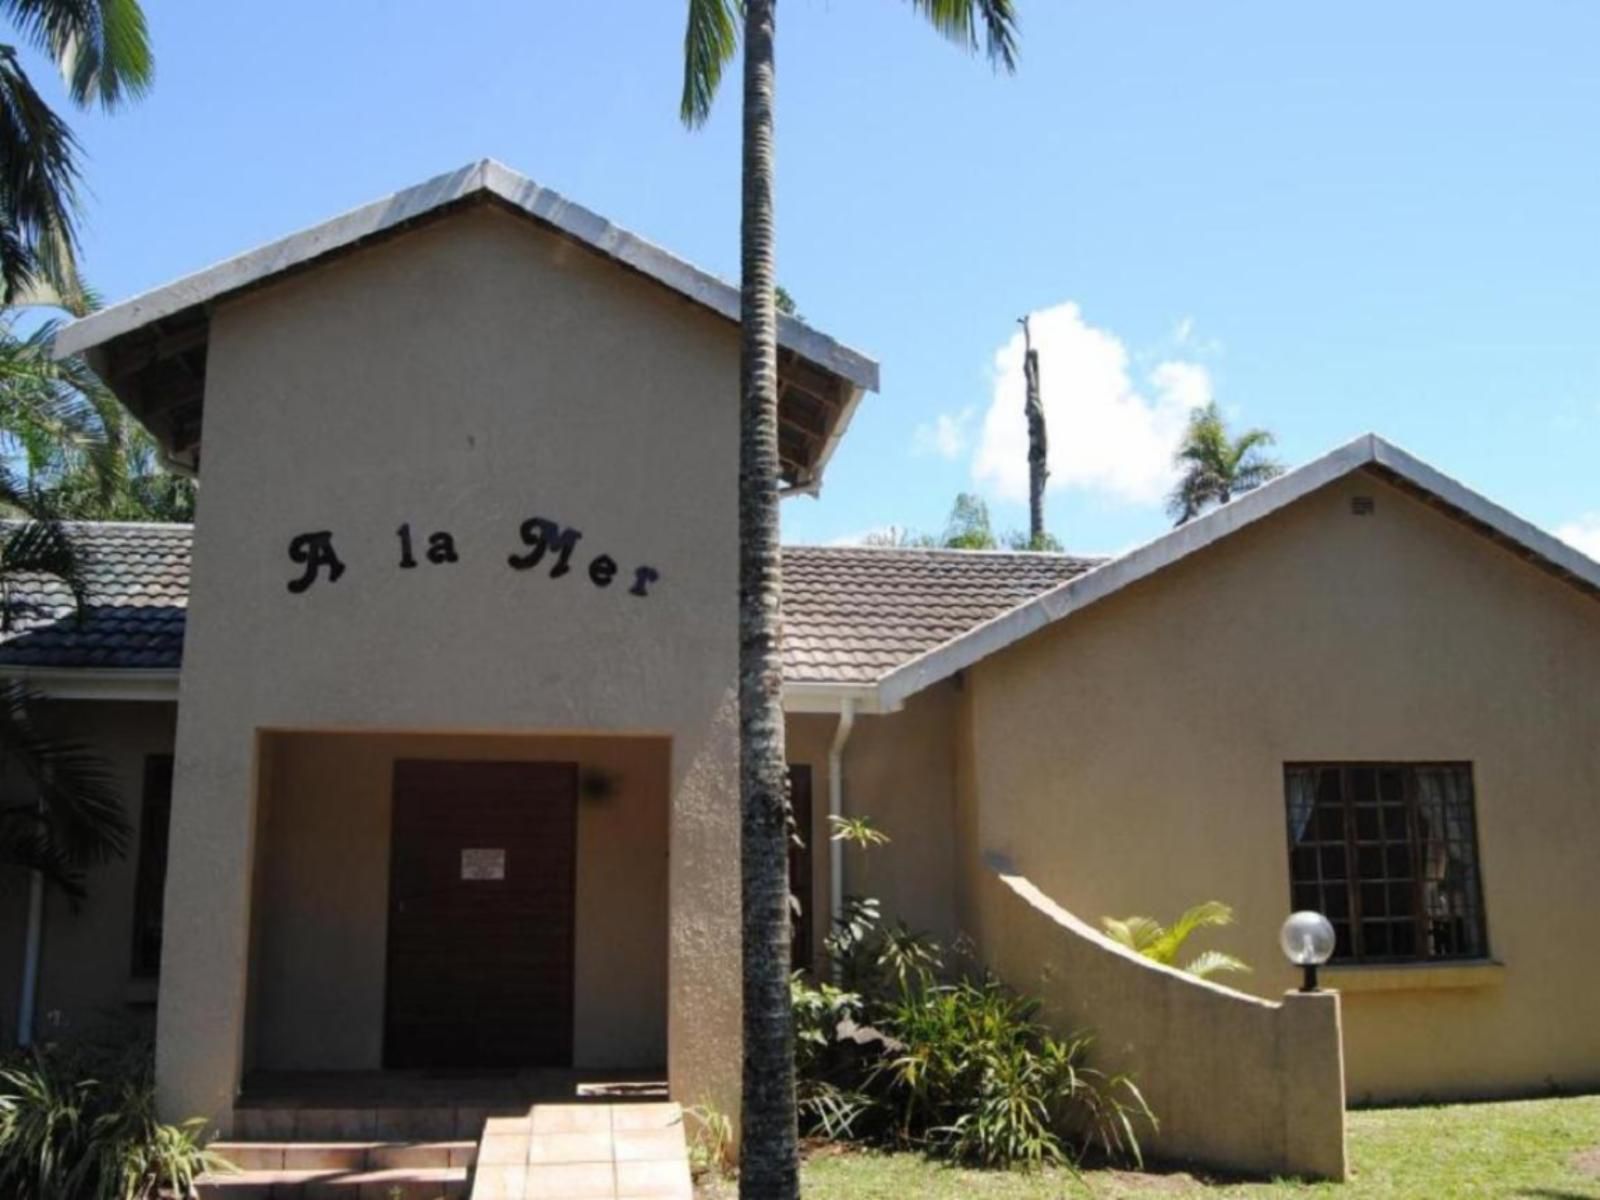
151 881
800 864
1389 853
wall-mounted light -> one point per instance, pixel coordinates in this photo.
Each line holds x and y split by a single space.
1308 941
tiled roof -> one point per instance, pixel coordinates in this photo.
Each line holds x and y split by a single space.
138 589
851 614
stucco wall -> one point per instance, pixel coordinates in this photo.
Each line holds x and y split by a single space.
464 376
899 771
321 914
85 981
1130 760
1234 1082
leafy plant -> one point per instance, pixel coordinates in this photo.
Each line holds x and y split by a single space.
1163 944
960 1068
980 1080
67 1134
711 1142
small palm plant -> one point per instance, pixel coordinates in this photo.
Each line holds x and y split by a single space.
1163 944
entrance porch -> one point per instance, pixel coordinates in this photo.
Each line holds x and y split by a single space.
447 926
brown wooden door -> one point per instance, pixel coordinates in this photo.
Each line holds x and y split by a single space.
481 891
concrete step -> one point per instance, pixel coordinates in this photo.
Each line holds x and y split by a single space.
407 1183
345 1156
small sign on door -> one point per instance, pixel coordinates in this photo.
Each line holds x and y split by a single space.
483 864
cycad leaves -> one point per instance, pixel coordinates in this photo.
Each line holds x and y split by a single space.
1157 942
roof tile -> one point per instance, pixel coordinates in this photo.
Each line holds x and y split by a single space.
851 613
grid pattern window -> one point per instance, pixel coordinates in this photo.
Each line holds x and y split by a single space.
1388 852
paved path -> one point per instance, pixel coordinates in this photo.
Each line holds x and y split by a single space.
585 1152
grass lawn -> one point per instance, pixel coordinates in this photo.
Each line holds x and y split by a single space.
1544 1149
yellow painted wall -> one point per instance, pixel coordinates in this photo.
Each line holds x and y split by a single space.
1130 759
463 376
321 916
85 983
899 771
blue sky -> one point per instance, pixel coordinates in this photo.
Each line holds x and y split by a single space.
1331 218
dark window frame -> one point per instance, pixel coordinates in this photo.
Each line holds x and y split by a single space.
1355 925
150 878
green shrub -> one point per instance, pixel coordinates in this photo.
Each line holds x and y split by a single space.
69 1131
959 1067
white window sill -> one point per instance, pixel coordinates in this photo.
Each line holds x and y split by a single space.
1415 977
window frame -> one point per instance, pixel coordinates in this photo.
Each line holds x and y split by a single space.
150 869
1352 843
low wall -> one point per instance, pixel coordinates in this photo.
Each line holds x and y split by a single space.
1236 1082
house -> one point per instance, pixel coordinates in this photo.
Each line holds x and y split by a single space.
429 724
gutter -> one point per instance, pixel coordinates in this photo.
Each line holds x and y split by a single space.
97 683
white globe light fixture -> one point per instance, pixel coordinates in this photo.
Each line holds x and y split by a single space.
1308 941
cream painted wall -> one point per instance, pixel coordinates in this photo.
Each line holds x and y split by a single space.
899 771
85 983
465 376
1130 760
321 916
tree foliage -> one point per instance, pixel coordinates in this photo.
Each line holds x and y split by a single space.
71 451
102 49
1216 465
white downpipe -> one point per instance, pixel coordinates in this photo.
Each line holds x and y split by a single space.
30 959
841 735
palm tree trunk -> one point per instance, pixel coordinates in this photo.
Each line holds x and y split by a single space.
1038 441
769 1160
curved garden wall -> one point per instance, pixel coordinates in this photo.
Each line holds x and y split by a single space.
1237 1082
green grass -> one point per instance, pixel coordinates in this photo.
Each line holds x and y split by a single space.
1524 1149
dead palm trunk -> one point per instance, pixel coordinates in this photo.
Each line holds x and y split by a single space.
1038 442
769 1158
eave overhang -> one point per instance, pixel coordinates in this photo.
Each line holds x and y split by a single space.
151 350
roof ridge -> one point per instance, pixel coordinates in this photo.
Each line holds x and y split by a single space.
996 552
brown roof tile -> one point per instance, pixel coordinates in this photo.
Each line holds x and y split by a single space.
851 614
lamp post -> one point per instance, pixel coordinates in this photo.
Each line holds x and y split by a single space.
1308 940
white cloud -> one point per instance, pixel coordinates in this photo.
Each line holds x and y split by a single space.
947 436
1107 435
1583 534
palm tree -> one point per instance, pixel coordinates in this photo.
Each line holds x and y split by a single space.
1217 467
769 1156
1157 942
103 51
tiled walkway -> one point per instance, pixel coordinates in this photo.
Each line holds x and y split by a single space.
585 1152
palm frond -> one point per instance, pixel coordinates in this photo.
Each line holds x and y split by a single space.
40 548
1214 962
38 180
81 812
101 46
961 20
710 41
1136 933
1213 914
